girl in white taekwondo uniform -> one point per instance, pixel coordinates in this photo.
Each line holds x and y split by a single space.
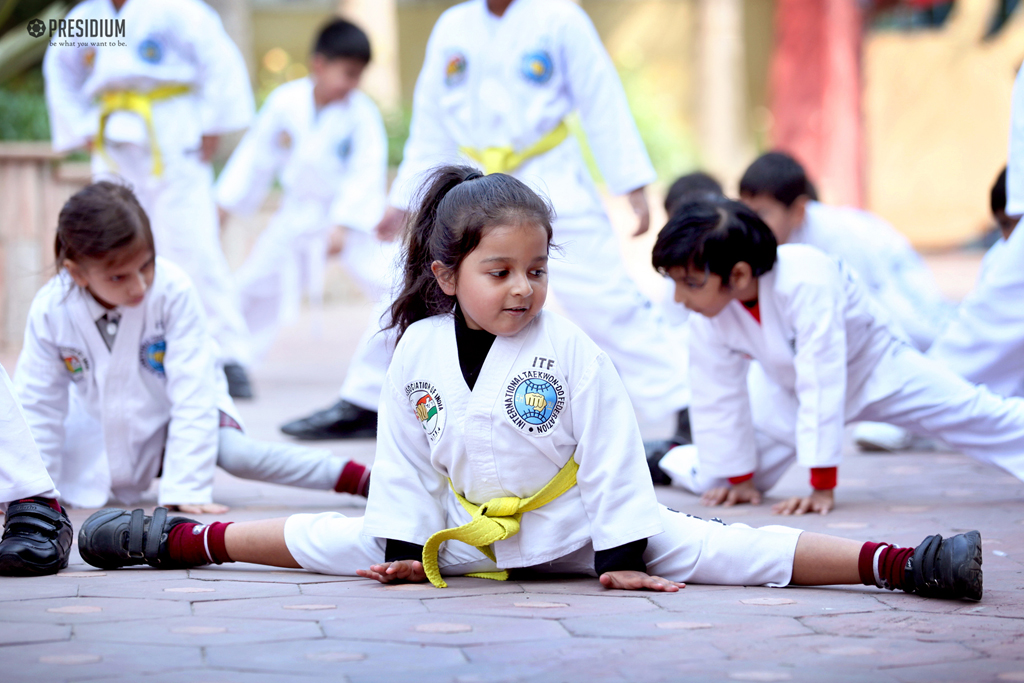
324 140
829 351
507 420
118 378
498 80
150 106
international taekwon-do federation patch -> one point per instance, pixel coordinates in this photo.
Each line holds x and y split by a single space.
537 66
151 354
455 69
428 406
533 402
75 361
151 51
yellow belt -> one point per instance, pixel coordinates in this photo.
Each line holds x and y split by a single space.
495 520
142 104
506 159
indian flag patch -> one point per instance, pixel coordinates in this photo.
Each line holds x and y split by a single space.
428 407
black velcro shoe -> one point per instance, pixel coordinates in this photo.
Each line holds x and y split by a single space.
343 420
239 385
36 540
684 433
946 568
113 538
655 451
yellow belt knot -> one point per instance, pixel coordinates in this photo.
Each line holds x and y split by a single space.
507 159
140 103
495 520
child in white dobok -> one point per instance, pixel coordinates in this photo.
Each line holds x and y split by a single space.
504 427
151 106
829 352
324 140
118 376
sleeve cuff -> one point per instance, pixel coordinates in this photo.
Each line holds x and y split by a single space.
741 479
824 478
627 557
395 551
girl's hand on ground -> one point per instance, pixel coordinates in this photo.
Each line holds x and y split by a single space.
728 496
634 581
204 509
403 570
818 501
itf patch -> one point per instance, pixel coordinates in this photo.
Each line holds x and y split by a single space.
428 407
455 69
151 354
151 51
537 66
75 362
533 402
345 149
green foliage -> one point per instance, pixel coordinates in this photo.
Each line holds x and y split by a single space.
396 123
23 108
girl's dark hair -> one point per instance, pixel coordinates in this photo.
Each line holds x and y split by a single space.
456 205
713 235
97 221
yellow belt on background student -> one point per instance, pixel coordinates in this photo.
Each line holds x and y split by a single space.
495 520
140 103
507 159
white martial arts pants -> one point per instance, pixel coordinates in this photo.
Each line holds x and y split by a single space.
690 549
22 472
277 463
183 217
932 401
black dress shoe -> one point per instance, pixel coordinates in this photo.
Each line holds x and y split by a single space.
36 540
113 538
343 420
238 381
683 435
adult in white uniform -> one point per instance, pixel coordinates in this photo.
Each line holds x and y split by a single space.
829 351
118 376
37 533
509 421
150 105
498 80
324 141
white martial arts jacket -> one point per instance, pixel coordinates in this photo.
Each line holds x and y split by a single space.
820 337
984 342
494 82
332 163
1015 160
166 42
22 473
885 262
107 420
542 395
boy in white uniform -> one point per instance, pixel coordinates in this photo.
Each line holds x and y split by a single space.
830 355
498 80
37 533
324 140
151 111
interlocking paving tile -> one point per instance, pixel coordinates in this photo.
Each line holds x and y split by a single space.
89 610
759 601
612 653
78 660
200 631
343 657
447 629
673 625
923 626
189 590
310 608
458 586
13 633
222 676
260 574
541 606
818 650
28 588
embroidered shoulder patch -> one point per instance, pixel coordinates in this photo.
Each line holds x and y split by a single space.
533 402
75 361
428 406
151 354
455 69
537 66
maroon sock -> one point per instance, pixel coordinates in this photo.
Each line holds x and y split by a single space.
194 544
45 501
355 478
883 565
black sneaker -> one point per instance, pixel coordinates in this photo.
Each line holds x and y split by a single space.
655 451
113 538
683 435
343 420
36 540
946 568
239 385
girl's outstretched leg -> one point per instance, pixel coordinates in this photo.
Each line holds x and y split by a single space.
259 542
823 560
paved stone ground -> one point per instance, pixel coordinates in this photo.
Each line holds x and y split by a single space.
251 624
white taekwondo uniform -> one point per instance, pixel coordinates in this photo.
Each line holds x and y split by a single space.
831 356
332 164
543 396
885 262
22 472
492 82
108 420
168 43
